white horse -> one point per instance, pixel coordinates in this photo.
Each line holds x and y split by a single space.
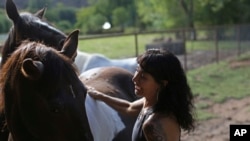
85 61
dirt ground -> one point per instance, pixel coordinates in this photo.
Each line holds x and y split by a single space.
232 111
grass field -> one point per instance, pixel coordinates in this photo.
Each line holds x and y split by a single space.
124 46
117 47
219 82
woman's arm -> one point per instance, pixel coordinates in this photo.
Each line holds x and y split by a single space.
121 105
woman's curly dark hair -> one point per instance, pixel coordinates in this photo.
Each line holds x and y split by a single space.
176 97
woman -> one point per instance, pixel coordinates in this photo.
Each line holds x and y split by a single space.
167 102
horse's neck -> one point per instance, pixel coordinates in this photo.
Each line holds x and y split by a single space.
81 59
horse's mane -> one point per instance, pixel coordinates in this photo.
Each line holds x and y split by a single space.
56 66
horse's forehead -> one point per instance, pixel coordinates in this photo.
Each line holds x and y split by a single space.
28 17
51 28
31 19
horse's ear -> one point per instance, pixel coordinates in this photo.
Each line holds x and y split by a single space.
12 11
40 13
70 45
32 69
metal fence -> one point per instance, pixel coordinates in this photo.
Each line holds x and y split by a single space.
202 45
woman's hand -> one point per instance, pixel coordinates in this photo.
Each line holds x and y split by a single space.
121 105
94 93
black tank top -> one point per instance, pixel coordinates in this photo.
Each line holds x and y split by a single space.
138 134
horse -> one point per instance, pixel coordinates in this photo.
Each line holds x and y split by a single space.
27 26
33 27
108 80
86 61
44 98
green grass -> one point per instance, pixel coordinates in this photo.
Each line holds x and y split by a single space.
119 47
116 47
203 115
219 82
124 46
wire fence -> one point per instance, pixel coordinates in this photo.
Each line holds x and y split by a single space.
196 47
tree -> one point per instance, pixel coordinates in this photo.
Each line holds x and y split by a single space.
221 12
88 21
120 17
160 14
63 16
4 22
34 5
119 13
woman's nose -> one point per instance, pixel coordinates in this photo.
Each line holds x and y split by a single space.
135 77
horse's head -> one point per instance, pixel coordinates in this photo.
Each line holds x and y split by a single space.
43 96
27 26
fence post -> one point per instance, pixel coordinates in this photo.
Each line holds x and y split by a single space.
136 44
239 40
216 45
185 50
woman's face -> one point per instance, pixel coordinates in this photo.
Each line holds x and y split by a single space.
145 84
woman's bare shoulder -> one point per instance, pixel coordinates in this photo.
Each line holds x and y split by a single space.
160 127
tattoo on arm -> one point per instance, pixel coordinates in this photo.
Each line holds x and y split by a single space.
154 133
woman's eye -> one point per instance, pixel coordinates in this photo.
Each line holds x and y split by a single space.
142 75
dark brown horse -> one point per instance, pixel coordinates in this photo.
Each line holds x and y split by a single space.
27 26
43 97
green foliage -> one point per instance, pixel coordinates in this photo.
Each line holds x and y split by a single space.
221 12
83 15
142 15
120 17
4 22
63 16
161 15
34 5
65 26
88 21
120 13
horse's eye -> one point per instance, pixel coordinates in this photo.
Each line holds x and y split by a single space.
57 108
61 42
